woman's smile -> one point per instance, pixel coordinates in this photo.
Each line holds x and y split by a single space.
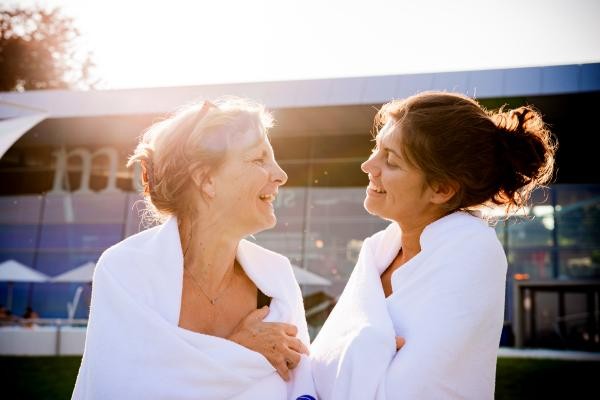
268 199
375 190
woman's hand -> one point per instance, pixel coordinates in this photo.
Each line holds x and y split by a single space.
274 340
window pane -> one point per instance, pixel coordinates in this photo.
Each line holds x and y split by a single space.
578 227
80 236
287 236
19 290
18 236
20 209
534 263
337 227
100 208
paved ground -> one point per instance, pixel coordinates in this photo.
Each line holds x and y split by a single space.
548 354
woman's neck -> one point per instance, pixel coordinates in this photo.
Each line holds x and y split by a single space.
412 231
209 253
410 242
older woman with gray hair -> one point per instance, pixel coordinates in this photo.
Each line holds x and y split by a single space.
189 309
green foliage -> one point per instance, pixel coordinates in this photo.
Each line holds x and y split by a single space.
518 378
38 50
39 377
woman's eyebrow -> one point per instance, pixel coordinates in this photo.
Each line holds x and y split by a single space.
263 153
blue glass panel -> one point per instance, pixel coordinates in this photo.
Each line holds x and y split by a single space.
20 209
50 299
18 236
20 293
53 263
23 256
100 208
80 236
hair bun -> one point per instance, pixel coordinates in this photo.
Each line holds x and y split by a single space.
522 120
527 148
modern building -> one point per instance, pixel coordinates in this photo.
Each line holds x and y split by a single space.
66 195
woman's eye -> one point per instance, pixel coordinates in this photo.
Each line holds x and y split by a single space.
259 161
389 163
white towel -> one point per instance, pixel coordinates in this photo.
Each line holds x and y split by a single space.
135 350
448 304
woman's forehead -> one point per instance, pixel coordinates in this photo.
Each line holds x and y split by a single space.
239 141
388 133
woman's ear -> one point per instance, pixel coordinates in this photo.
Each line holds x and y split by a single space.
443 192
204 182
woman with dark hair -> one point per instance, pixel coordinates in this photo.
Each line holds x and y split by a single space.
436 276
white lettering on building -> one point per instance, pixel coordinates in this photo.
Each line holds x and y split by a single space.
87 158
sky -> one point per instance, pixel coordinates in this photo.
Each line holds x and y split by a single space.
151 43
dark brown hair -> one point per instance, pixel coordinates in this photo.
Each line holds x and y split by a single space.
493 157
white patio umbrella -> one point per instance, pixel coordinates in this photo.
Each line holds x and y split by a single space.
12 271
83 273
305 277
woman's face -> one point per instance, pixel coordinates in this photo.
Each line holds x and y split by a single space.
397 190
247 183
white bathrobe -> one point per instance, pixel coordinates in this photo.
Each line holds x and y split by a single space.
135 349
447 302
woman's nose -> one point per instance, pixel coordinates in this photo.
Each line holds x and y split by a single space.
369 167
279 175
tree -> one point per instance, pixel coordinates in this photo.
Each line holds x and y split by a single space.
38 50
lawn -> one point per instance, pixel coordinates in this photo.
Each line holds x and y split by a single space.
53 378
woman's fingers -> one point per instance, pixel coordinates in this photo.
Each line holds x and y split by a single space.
297 345
258 314
283 370
287 363
276 341
290 329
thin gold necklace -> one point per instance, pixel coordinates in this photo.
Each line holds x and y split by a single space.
212 300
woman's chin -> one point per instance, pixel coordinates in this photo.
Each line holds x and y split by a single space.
370 207
267 223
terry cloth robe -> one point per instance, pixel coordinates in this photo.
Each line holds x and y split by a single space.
135 349
447 302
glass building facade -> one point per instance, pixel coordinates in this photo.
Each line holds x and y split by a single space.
55 224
